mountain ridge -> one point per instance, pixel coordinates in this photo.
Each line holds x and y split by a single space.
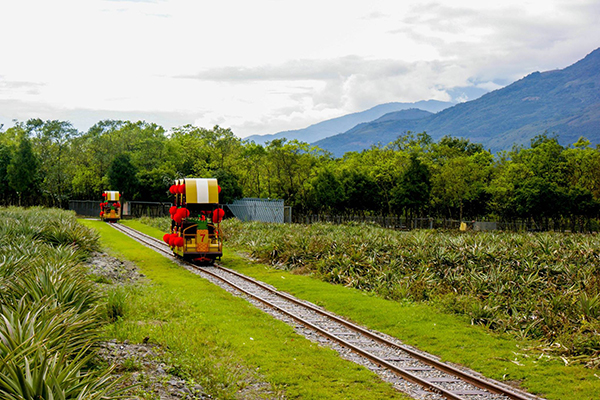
565 102
343 123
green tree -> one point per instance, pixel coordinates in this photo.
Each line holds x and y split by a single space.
450 146
385 167
122 176
5 191
461 173
534 182
545 159
201 151
463 180
52 142
153 184
153 155
290 166
539 199
230 187
581 207
360 191
326 193
582 166
414 188
23 172
253 169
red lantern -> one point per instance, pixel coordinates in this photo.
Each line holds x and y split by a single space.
179 242
101 213
218 215
117 205
219 187
177 217
182 188
172 189
103 194
172 210
175 240
172 239
166 237
180 214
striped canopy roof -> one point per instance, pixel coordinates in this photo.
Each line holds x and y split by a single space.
201 191
112 195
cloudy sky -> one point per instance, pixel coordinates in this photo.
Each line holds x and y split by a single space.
263 66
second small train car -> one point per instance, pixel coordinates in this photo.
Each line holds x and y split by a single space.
110 208
195 220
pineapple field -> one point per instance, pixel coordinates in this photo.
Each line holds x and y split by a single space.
50 312
540 286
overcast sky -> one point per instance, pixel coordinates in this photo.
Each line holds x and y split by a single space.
263 66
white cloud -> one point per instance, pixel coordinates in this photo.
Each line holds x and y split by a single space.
267 65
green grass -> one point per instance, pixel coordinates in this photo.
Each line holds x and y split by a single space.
221 341
116 303
449 336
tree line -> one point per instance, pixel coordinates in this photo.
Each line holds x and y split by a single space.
50 162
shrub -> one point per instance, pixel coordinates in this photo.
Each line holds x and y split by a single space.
116 303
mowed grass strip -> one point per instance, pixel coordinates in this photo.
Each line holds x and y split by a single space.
223 342
452 337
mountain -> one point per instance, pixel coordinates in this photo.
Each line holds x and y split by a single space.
411 113
564 102
342 124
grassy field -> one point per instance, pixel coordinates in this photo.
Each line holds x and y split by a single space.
221 341
423 317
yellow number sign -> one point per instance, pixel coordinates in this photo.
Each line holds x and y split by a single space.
202 241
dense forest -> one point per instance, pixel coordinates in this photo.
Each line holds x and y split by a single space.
50 162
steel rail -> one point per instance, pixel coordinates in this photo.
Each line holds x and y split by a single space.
476 381
131 232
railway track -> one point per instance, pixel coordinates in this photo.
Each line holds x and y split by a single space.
417 373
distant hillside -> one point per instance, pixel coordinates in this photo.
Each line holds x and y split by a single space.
411 113
342 124
564 102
